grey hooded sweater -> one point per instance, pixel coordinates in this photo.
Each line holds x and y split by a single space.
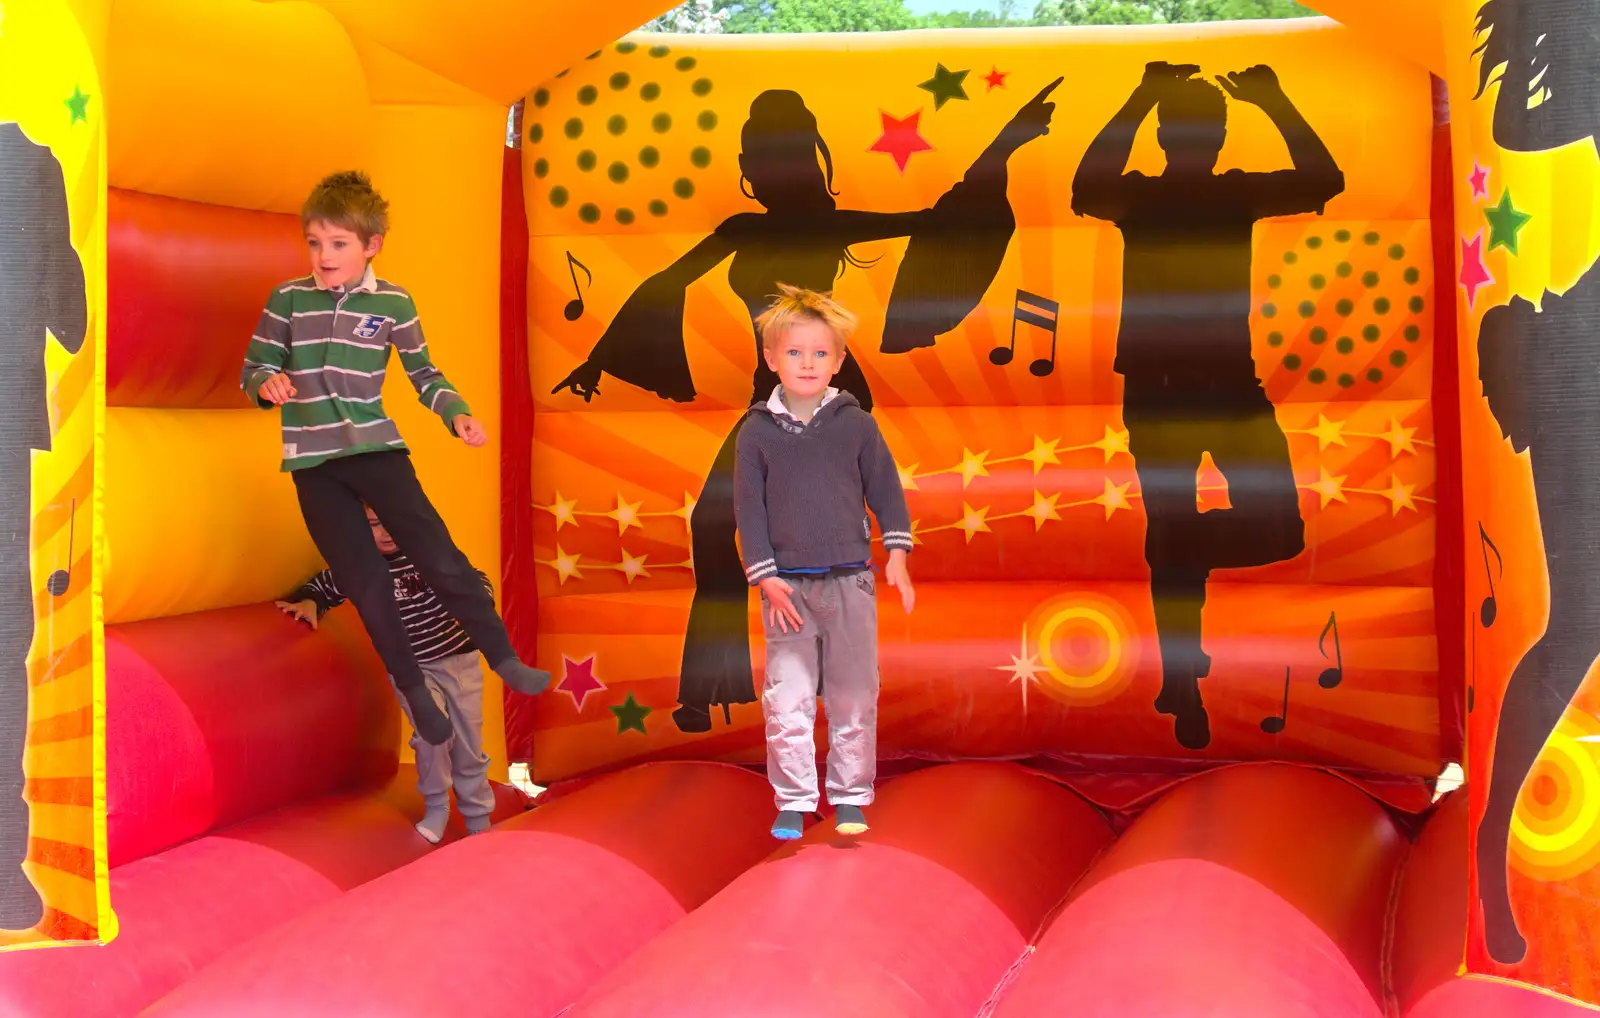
801 491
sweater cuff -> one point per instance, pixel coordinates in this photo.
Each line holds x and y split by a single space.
897 540
758 571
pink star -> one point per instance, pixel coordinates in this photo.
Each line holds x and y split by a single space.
1474 273
901 138
1479 180
579 680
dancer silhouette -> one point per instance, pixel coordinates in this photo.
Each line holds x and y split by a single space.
802 239
1535 366
41 287
1183 345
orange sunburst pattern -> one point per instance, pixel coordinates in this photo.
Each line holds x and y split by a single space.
51 88
1034 629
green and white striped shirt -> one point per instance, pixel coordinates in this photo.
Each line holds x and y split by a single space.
334 346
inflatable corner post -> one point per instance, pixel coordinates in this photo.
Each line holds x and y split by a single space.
52 313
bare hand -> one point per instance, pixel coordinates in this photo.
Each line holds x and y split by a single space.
470 430
304 611
1257 85
1159 74
583 381
277 390
781 612
1033 119
899 577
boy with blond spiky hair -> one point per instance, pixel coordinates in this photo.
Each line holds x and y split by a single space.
320 353
809 463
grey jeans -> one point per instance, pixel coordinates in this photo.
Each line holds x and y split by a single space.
456 683
836 647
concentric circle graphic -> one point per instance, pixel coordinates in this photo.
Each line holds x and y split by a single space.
1086 645
1555 829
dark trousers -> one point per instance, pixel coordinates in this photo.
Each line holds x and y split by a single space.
19 902
331 496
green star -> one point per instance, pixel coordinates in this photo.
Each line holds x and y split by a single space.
78 104
1505 222
945 85
631 715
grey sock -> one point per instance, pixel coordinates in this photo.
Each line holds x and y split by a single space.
477 825
523 678
431 826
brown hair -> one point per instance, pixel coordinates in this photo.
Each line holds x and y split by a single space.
792 304
347 199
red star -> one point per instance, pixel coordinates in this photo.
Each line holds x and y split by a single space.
996 78
1474 273
900 139
1479 181
579 680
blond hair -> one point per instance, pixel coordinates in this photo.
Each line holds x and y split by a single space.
792 304
347 199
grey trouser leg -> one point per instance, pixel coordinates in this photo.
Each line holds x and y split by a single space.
456 684
838 643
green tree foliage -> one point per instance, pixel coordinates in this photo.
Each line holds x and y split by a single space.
746 16
816 16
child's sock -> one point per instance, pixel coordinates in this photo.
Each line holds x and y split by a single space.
789 825
523 678
431 826
426 716
477 825
849 820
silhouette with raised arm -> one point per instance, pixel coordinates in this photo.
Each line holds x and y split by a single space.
1183 345
41 288
802 239
1536 366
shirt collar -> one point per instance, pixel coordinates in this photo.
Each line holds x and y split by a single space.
775 401
368 284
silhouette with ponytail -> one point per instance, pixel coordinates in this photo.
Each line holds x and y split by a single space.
803 239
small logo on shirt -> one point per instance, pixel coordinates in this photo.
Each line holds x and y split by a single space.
408 586
368 326
289 450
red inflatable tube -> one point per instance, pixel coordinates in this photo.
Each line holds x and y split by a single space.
1430 933
185 285
517 923
218 716
1251 891
920 917
187 906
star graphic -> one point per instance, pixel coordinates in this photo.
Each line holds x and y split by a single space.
626 514
1505 222
908 476
1399 439
972 465
916 538
564 509
973 521
901 139
1327 433
630 715
1479 179
687 510
1042 453
996 78
631 567
945 85
1331 488
1024 668
1042 510
578 681
1112 443
565 565
1474 273
1114 497
77 105
1399 496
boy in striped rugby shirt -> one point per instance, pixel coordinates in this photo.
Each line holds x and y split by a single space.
449 663
809 463
320 353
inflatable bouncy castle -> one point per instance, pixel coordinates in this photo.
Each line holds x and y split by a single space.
1235 375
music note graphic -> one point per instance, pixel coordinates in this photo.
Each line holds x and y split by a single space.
1472 681
1331 677
1275 724
61 579
574 309
1491 604
1041 312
